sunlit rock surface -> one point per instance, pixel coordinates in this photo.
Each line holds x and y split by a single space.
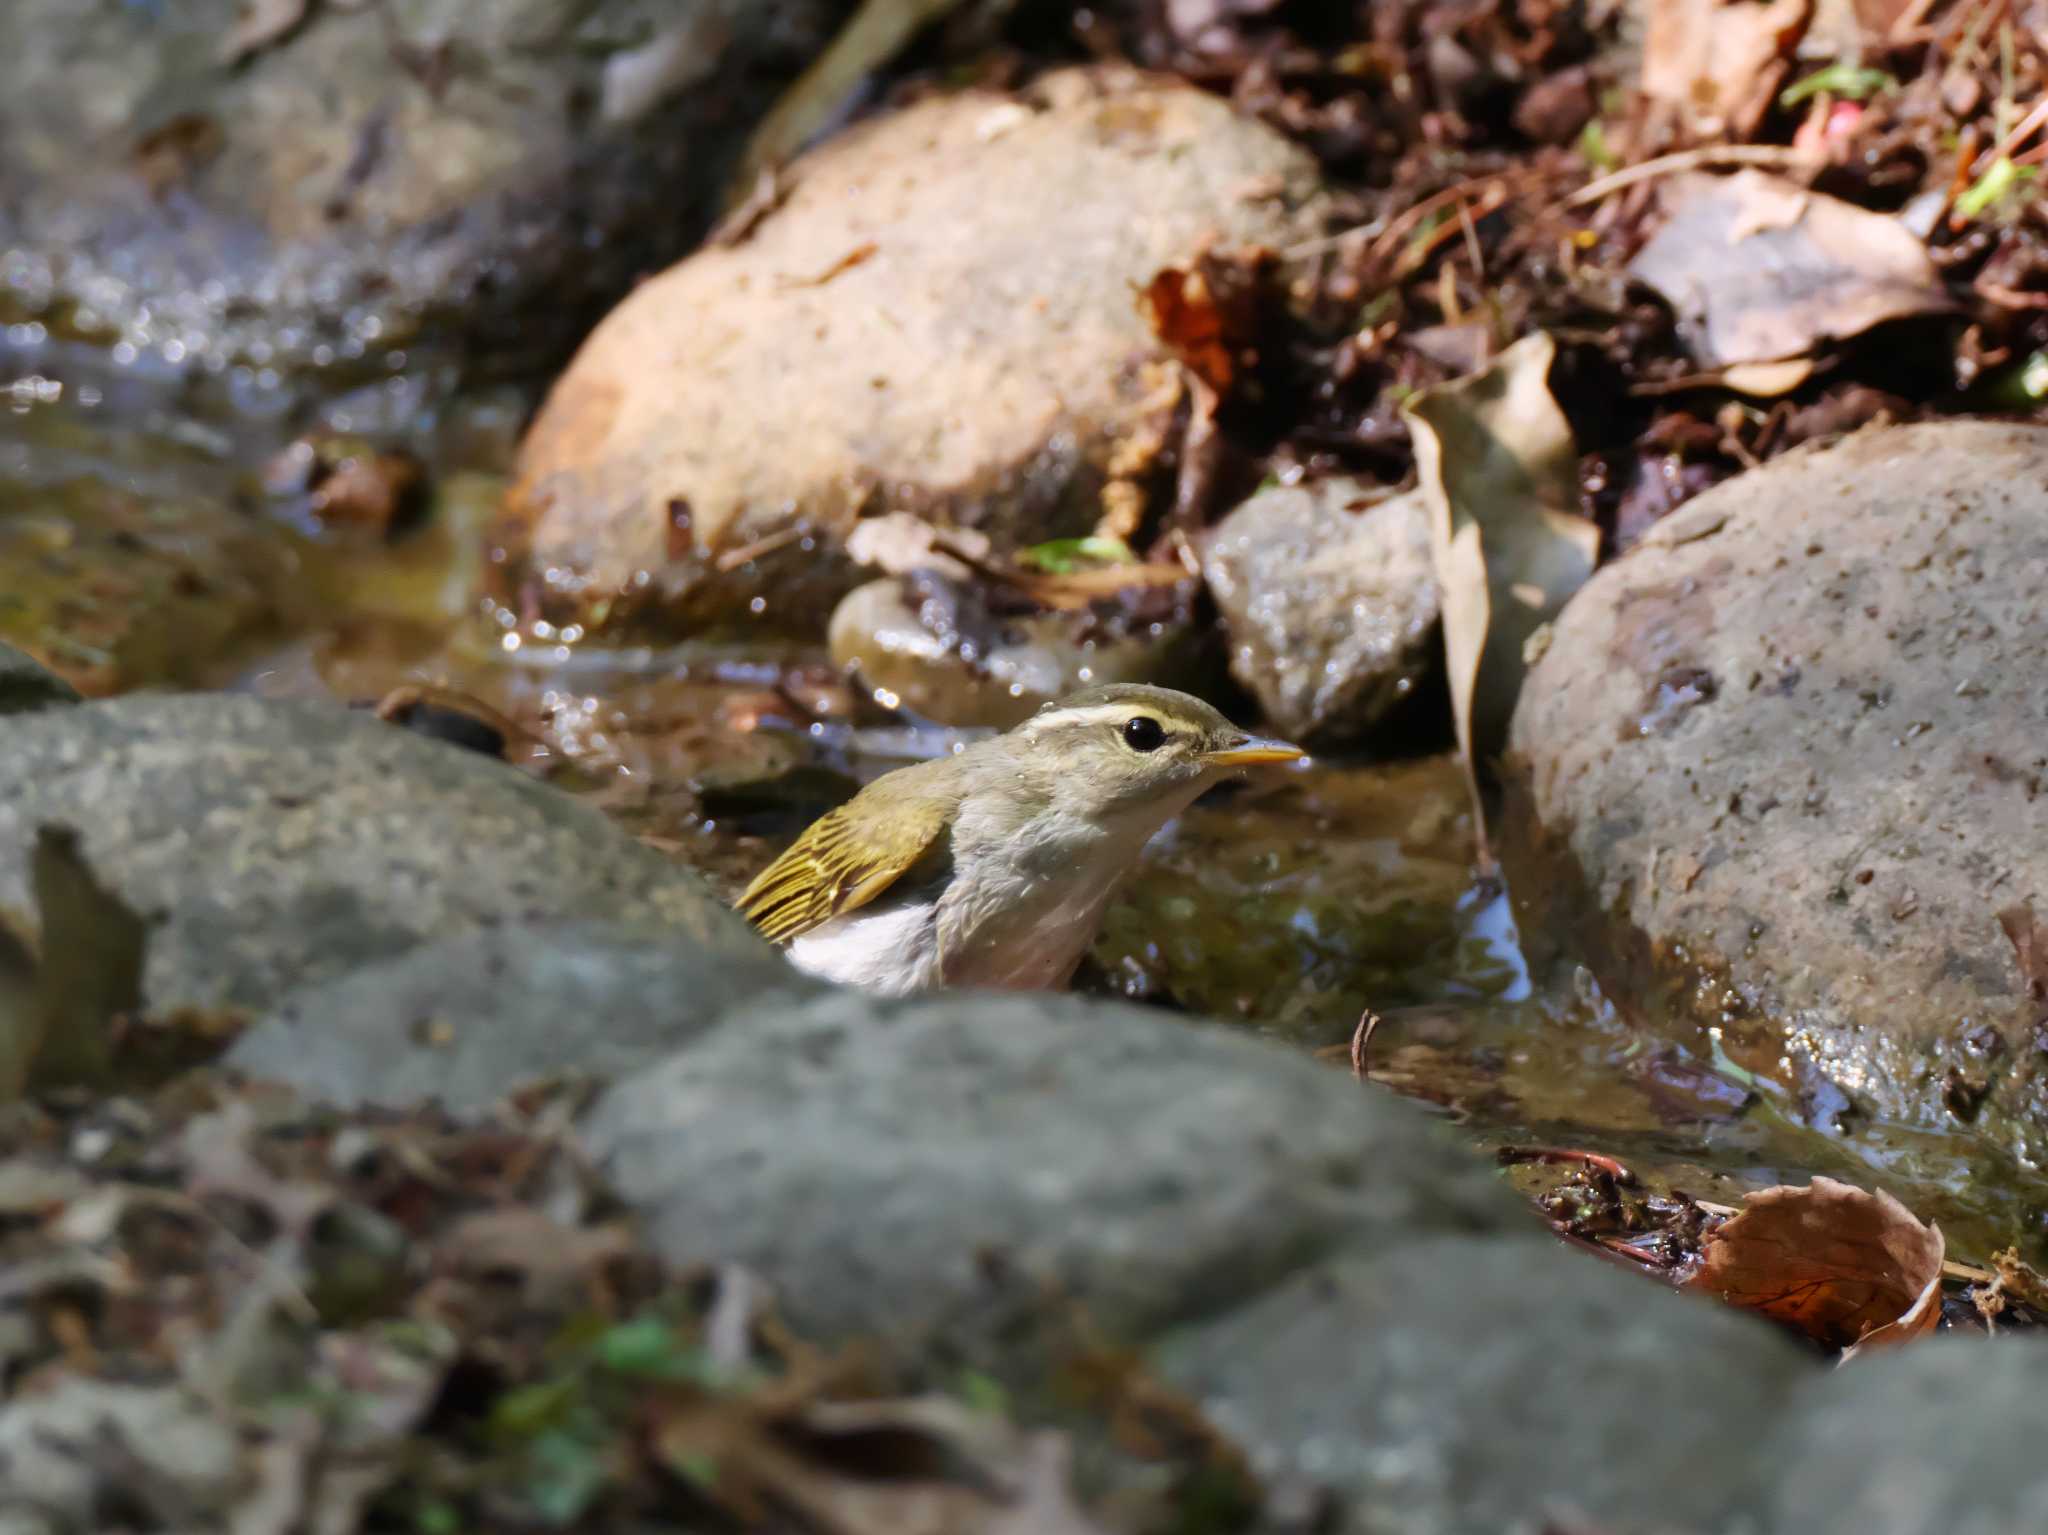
1786 757
941 317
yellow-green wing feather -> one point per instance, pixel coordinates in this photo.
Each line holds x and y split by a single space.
844 860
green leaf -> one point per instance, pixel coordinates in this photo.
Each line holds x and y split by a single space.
437 1516
650 1349
531 1410
984 1393
1999 181
698 1468
1852 82
1062 555
1593 147
565 1474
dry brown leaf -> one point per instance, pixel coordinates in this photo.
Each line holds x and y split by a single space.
2029 942
1719 62
1499 470
1759 269
888 1467
1846 1266
1184 314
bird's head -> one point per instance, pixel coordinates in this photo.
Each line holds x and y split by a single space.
1124 747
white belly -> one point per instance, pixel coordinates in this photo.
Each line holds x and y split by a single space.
1025 930
888 952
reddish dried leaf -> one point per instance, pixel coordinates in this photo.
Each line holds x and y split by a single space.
1183 311
1842 1264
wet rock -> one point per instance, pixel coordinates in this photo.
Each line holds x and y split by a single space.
941 317
1858 1457
272 845
1330 599
467 1019
411 175
932 645
115 590
27 685
1780 765
1468 1385
953 1174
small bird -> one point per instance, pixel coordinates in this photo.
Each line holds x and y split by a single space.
992 867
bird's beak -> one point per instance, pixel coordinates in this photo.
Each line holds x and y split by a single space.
1247 750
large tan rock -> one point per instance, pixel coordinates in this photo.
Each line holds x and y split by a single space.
941 317
1788 756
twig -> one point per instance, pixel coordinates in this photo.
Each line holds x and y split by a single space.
1361 1041
732 559
2003 149
1966 152
2009 298
1684 160
1472 242
1510 1156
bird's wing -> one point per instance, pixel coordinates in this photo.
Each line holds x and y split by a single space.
843 860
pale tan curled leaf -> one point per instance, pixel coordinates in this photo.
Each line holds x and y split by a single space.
1717 63
878 31
1759 269
90 973
21 1021
1500 473
262 23
2029 940
1844 1265
1768 380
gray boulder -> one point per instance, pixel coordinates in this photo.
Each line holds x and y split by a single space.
1330 599
27 685
1346 1291
952 1173
1943 1438
366 178
1492 1385
271 845
466 1019
1780 765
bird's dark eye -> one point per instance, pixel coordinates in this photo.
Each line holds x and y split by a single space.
1142 733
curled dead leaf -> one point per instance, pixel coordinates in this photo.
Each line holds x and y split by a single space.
1848 1267
2029 940
1719 62
1499 471
1759 269
1183 312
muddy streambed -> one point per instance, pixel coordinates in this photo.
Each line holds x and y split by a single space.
157 535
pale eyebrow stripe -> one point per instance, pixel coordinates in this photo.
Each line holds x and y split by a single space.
1101 714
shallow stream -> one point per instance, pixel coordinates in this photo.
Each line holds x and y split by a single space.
145 542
